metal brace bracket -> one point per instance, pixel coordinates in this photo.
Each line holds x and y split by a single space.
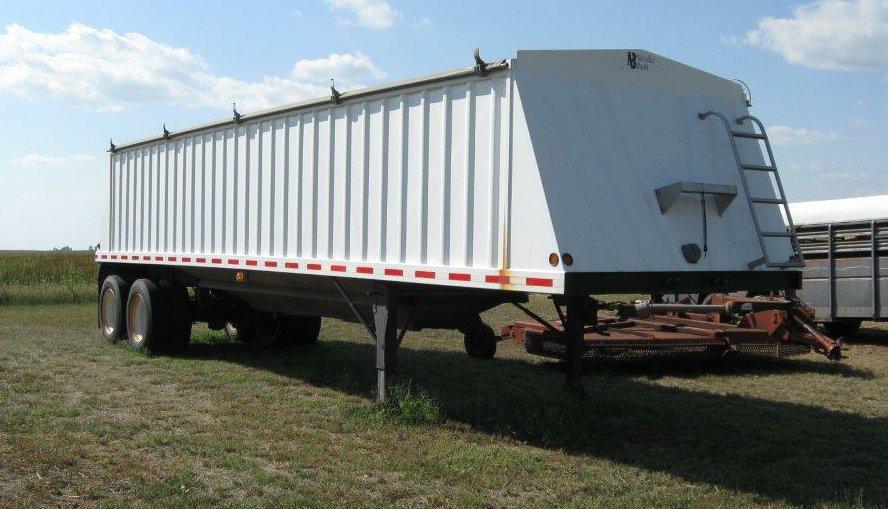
367 324
354 309
723 194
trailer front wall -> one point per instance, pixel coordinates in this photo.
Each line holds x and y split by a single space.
595 137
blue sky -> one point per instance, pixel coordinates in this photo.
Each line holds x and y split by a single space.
73 74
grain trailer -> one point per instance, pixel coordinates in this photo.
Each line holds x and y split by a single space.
425 202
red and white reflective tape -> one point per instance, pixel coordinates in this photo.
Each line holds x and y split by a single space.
540 282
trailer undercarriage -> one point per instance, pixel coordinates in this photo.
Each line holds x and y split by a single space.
280 311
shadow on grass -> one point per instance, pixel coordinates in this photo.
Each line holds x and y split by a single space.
870 334
803 454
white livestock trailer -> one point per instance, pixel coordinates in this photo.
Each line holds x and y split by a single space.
845 244
425 202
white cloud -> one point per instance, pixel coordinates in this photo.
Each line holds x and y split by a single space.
373 14
729 40
817 171
422 22
842 176
782 135
101 70
347 67
859 123
33 160
829 34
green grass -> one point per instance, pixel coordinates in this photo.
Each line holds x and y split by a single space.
407 404
41 277
83 423
47 294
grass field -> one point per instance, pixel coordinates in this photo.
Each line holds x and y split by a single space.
86 424
42 277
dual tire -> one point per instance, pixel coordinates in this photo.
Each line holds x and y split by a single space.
272 330
842 329
152 316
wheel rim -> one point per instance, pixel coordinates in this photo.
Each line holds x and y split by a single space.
231 332
109 312
137 319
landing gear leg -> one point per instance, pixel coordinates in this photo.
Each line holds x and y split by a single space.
385 318
575 323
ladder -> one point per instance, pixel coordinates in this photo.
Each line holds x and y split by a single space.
795 260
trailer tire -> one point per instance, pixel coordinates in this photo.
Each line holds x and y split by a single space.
480 343
176 296
112 308
263 330
147 317
842 329
242 327
267 330
304 330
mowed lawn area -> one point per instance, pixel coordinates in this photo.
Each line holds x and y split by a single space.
84 423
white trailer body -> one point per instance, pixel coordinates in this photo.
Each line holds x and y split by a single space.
471 179
843 210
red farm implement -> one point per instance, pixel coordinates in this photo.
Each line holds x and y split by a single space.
724 325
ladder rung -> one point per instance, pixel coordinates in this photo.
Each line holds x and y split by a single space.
788 264
758 167
777 234
755 263
773 201
754 136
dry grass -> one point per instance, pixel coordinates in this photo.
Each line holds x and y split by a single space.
86 424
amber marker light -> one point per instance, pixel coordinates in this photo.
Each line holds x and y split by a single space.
240 276
553 259
567 258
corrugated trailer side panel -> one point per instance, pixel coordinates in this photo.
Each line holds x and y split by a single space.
417 178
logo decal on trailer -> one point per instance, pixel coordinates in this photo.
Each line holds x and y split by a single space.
638 63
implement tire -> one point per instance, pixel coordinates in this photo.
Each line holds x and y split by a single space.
112 308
